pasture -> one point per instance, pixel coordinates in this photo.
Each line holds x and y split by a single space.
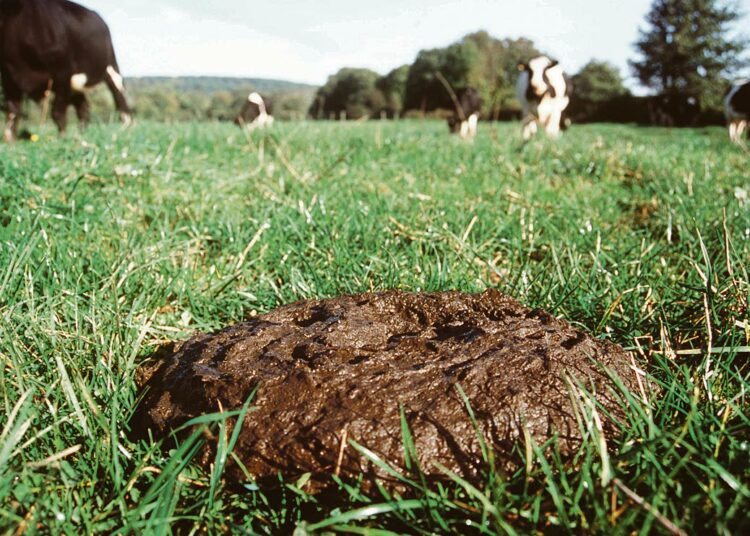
114 242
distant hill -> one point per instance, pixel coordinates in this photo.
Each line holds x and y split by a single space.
195 98
212 84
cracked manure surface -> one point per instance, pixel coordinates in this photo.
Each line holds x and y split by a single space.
352 362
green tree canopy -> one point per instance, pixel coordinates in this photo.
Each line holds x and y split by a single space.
350 90
596 84
479 60
393 87
687 48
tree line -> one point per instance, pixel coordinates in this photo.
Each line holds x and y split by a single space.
686 54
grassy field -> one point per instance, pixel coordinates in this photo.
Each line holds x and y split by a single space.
114 242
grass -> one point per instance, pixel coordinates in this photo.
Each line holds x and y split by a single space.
113 243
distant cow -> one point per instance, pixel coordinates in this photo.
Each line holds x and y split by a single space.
466 117
55 46
256 113
737 110
544 93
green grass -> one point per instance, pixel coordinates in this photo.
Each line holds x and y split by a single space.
113 243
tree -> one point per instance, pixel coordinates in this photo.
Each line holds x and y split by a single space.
350 90
478 60
424 90
687 49
595 85
393 88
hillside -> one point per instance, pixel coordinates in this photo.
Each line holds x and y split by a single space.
212 84
190 98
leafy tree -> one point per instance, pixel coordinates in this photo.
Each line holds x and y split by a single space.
687 48
495 73
350 90
421 81
596 84
478 60
393 87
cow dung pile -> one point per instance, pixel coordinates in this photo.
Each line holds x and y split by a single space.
344 369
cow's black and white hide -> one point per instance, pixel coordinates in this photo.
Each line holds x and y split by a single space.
255 113
544 92
465 119
60 47
737 110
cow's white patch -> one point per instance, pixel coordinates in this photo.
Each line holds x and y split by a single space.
78 82
126 118
262 121
464 130
547 82
255 98
469 127
538 66
116 78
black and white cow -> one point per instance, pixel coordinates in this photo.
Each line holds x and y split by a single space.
57 46
255 113
737 110
466 117
544 93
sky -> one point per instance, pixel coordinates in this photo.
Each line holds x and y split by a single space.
306 41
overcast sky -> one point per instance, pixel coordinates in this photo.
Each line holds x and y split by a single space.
307 41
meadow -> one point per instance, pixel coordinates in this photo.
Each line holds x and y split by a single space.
114 242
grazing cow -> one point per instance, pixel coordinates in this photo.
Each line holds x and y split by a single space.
256 113
737 110
466 117
544 92
60 47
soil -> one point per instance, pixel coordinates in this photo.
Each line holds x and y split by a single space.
341 369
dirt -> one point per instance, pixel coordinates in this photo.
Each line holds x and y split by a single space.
337 370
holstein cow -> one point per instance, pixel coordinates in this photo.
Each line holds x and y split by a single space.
256 113
737 110
544 92
57 46
466 117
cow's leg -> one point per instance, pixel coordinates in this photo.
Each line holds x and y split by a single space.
552 124
115 84
733 124
60 110
473 121
81 104
13 108
13 115
528 127
736 129
464 130
741 126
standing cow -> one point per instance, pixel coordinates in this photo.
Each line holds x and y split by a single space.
544 92
256 113
57 46
466 117
737 110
